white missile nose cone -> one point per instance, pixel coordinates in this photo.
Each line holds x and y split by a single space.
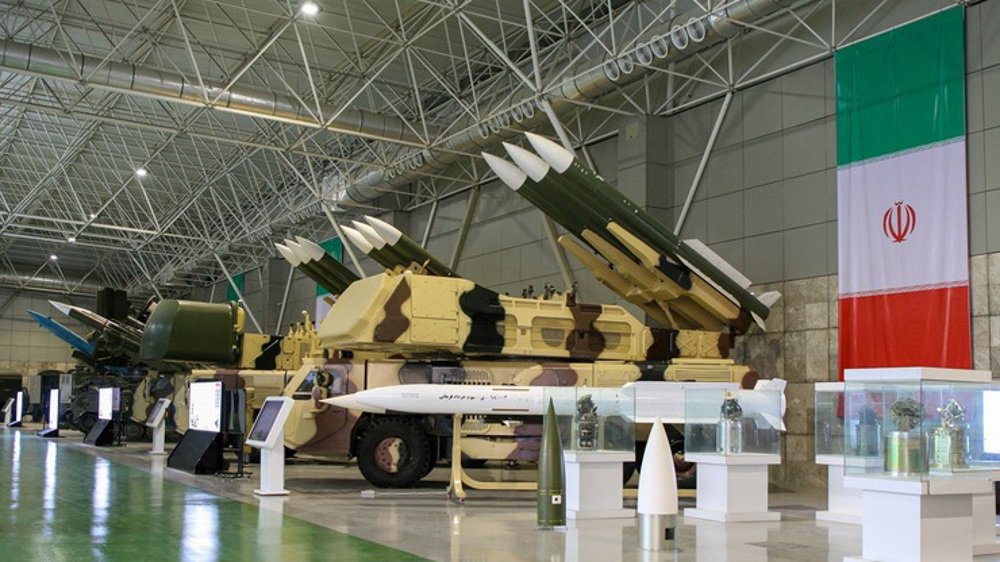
312 249
657 477
386 231
348 401
535 167
554 155
298 251
287 254
61 307
357 239
508 173
370 235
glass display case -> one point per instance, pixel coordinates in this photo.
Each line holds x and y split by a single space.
918 427
732 422
829 419
594 419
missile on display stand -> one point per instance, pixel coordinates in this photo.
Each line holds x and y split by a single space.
551 477
408 249
394 257
657 505
446 399
126 335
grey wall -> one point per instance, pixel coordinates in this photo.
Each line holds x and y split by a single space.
25 347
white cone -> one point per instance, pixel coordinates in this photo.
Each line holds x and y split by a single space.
657 505
313 250
357 239
535 167
287 253
370 235
508 173
554 155
298 250
386 231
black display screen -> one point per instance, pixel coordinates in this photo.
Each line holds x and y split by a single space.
265 421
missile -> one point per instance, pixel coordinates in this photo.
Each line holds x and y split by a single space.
446 399
329 280
551 480
321 258
406 247
361 243
130 338
65 334
657 506
641 223
309 271
380 244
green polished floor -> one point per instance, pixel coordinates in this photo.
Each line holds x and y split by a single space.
59 504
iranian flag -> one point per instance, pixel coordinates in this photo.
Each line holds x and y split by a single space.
902 197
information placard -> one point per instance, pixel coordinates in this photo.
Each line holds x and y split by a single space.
205 406
53 420
19 407
263 427
108 402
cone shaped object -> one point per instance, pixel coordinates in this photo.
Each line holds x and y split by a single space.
288 251
657 505
391 256
324 261
361 243
624 211
551 480
406 247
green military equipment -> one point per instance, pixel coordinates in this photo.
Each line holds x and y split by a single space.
551 480
410 250
361 242
193 331
325 261
392 256
329 281
308 270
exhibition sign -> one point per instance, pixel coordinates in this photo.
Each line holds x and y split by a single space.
902 198
206 406
108 402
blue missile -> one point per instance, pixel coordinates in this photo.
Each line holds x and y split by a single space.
65 334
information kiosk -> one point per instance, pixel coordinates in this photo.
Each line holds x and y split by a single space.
103 432
18 413
157 420
200 449
8 412
52 417
268 435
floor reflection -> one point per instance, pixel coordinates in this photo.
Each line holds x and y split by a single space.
200 541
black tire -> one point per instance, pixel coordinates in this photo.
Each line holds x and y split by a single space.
134 432
394 453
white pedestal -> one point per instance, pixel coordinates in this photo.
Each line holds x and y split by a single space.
916 521
159 437
984 524
732 488
843 503
272 467
594 484
7 417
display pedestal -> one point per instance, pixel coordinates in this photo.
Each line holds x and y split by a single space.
48 433
843 503
915 520
984 523
594 484
159 437
732 488
272 468
7 417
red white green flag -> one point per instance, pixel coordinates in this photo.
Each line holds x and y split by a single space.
902 197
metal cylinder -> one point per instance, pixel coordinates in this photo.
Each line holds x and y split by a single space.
903 454
656 531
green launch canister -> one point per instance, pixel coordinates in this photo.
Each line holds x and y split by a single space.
191 331
551 504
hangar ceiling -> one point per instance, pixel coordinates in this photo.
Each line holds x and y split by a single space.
145 144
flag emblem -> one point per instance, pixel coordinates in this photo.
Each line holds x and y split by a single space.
899 221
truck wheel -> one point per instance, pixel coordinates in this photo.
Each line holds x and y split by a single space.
393 453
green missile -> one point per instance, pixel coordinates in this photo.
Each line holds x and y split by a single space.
623 210
576 216
366 247
551 482
406 247
394 257
321 259
309 271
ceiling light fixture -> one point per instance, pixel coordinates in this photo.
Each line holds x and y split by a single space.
53 257
141 172
309 8
71 239
93 216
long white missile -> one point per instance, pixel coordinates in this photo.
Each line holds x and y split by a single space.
446 399
287 253
512 176
554 154
369 233
385 231
532 165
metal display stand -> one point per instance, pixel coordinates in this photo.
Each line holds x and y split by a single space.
158 422
594 488
732 488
